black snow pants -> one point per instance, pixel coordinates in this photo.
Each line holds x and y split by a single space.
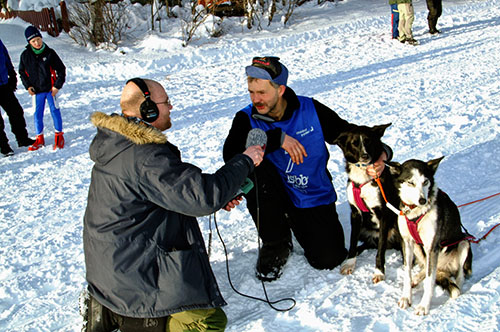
435 8
10 104
318 229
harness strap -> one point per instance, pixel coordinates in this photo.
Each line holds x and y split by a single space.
450 243
356 191
413 228
389 205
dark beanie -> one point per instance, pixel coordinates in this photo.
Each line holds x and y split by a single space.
31 32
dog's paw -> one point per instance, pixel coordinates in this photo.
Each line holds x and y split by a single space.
404 303
378 276
454 291
421 310
347 266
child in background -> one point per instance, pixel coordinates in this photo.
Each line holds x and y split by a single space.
43 75
394 18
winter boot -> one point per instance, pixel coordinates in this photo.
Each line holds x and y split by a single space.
272 258
39 142
6 150
25 142
412 41
59 140
96 317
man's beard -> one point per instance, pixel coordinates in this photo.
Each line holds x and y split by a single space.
271 109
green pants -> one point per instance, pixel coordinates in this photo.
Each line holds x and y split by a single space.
200 320
98 318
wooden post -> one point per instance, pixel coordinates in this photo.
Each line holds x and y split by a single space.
53 22
64 16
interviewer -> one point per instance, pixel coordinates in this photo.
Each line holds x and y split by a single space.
146 264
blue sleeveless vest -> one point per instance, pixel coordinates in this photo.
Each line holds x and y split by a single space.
307 184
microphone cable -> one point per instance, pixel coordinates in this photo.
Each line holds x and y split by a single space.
266 300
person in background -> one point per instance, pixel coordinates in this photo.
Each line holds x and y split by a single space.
146 263
11 106
43 75
394 18
435 8
406 18
293 188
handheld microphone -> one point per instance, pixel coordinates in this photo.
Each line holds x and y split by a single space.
256 136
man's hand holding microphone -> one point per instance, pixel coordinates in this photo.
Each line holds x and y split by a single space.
255 148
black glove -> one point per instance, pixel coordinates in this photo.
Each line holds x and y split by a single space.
12 83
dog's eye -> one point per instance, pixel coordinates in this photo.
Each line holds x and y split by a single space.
426 182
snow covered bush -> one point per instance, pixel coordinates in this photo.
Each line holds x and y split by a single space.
197 22
98 23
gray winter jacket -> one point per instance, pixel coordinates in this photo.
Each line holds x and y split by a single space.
144 252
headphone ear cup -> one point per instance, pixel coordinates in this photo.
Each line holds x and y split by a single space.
149 111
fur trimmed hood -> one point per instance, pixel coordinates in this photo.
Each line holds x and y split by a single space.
137 133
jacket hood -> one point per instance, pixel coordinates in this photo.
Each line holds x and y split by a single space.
116 133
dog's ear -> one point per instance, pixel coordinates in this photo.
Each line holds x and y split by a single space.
394 167
380 129
341 140
434 163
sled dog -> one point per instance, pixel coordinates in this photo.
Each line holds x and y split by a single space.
432 231
372 222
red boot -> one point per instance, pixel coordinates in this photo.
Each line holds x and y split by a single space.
59 140
39 142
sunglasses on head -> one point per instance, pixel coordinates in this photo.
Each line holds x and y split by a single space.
268 63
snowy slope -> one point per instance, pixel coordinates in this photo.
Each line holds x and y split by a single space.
442 98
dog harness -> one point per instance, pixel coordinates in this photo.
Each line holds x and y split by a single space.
356 191
413 228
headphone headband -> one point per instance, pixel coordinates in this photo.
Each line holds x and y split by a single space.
149 110
141 84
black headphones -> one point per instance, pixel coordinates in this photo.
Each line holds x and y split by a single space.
148 108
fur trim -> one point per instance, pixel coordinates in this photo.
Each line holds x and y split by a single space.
137 133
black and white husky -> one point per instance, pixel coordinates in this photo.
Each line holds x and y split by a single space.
431 230
372 223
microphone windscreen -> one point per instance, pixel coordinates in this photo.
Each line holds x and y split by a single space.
256 136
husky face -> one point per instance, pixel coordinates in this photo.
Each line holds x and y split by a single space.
414 180
362 144
414 188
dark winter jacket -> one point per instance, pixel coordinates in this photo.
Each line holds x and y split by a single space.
42 71
145 255
7 72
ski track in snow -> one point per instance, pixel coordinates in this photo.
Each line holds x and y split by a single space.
442 98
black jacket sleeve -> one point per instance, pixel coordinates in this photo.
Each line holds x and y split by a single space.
22 71
331 123
237 137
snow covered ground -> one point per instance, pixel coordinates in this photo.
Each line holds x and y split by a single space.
442 98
